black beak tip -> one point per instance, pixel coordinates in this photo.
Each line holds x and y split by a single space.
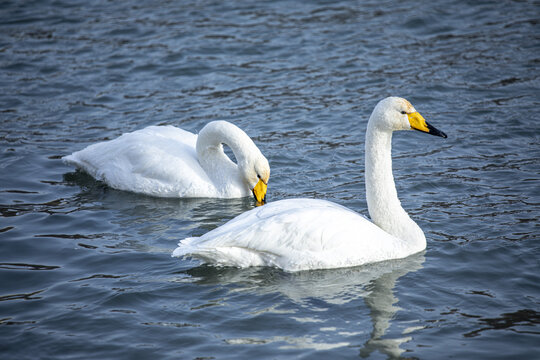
434 131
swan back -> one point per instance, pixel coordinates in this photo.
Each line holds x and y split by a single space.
157 161
295 234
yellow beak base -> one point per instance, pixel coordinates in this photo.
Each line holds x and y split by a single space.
259 191
417 122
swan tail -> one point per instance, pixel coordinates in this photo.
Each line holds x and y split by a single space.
185 247
71 160
78 162
223 255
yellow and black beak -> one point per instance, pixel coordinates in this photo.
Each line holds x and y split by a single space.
259 191
418 122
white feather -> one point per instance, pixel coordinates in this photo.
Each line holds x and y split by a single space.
295 234
166 161
302 234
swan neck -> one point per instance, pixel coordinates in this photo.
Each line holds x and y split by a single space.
210 149
380 187
383 203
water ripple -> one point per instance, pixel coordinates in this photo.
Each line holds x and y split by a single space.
301 79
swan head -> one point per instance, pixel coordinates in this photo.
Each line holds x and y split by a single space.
256 172
395 113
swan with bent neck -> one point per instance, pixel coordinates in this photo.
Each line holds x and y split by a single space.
303 234
166 161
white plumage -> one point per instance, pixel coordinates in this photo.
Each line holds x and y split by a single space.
295 234
302 234
166 161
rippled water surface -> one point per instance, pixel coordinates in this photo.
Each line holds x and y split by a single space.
86 271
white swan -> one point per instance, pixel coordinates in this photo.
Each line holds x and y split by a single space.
166 161
301 234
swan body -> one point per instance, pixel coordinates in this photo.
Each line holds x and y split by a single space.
166 161
297 234
303 234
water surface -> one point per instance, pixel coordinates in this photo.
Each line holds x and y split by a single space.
85 270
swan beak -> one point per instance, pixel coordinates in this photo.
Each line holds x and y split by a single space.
418 122
259 191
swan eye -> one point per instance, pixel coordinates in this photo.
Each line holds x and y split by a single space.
403 112
259 176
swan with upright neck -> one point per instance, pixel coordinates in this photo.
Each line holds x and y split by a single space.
303 234
166 161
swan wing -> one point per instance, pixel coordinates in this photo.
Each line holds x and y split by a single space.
295 234
157 160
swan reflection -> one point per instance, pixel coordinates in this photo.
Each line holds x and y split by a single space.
374 283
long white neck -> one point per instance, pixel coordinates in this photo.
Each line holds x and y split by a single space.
383 204
210 152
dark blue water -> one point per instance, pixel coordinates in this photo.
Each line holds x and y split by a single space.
86 272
